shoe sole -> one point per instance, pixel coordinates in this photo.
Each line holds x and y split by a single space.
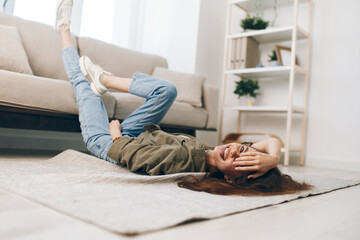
94 89
83 70
57 13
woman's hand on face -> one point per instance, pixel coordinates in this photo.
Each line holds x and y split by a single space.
258 162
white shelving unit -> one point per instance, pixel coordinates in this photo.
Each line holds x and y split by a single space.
291 33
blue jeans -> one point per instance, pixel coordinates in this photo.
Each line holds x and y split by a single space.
94 121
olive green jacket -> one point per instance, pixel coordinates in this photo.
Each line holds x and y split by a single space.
156 152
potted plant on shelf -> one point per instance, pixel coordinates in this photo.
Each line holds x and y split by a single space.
273 59
254 23
257 22
247 88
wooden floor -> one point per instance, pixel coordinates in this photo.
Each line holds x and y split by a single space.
335 215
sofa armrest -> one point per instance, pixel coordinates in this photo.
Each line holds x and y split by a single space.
211 101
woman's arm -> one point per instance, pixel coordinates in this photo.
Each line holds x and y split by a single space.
115 129
266 158
271 146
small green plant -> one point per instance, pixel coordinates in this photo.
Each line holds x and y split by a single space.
255 23
273 56
246 87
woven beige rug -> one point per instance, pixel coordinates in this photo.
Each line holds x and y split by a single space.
110 197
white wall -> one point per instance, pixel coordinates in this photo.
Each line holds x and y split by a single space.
210 50
334 103
168 28
102 28
172 33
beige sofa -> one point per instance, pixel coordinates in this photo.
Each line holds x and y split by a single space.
41 97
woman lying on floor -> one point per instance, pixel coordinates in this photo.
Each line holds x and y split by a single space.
139 145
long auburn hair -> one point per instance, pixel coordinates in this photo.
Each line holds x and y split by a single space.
271 183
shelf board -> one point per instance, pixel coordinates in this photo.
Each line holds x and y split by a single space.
248 5
266 72
270 35
264 109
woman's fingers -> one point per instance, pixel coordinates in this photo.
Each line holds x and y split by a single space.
249 153
246 163
248 168
246 158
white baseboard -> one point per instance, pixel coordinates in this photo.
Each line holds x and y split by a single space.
333 164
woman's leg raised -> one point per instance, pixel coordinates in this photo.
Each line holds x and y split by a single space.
93 117
159 94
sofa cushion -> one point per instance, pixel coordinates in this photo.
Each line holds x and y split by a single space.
12 53
189 86
32 92
179 113
42 46
120 61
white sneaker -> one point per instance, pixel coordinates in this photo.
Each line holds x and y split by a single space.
63 14
94 73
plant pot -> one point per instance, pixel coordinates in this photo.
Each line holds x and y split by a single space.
247 101
251 102
275 64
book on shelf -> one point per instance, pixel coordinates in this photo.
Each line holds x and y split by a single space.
244 53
